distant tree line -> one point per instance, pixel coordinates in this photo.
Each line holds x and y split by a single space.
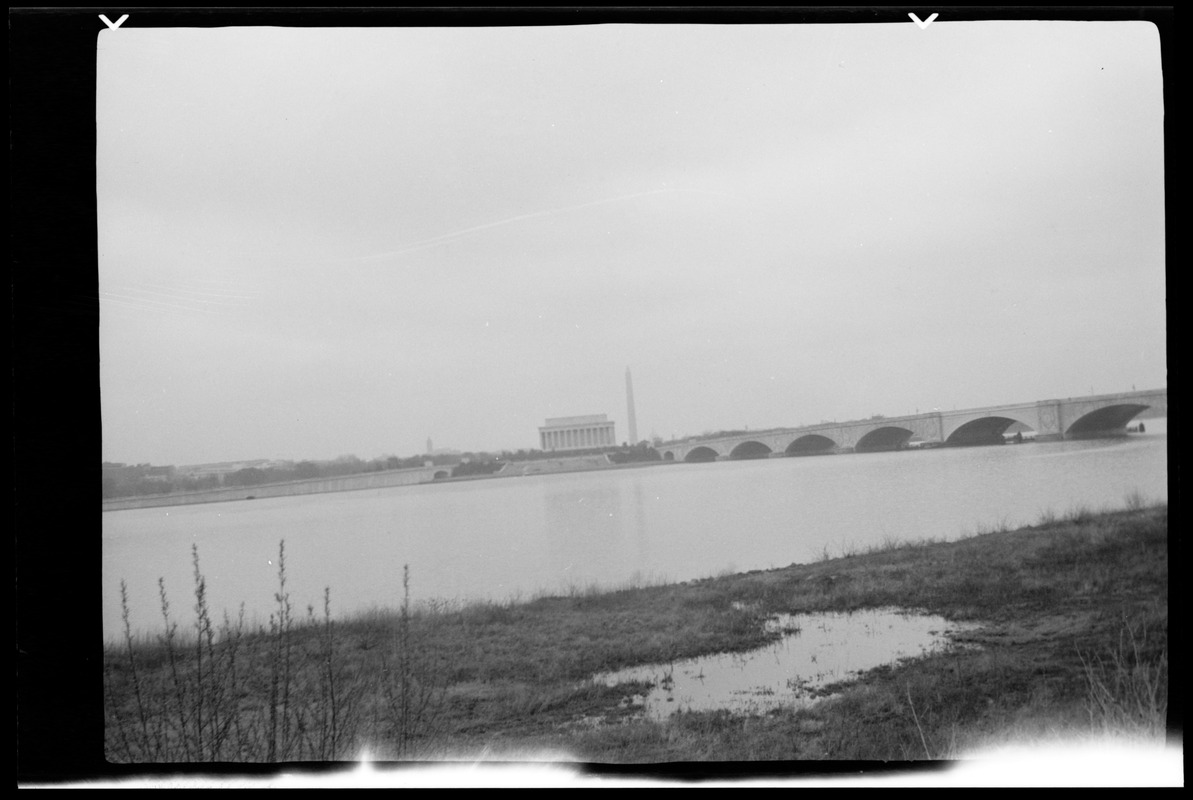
642 451
617 454
124 480
742 432
479 467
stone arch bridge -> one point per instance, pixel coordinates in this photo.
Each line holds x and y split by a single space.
1071 418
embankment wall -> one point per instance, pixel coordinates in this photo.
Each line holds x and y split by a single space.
345 483
545 465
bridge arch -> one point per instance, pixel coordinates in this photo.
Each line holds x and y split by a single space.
441 474
810 445
981 431
749 449
1109 419
888 437
701 453
668 456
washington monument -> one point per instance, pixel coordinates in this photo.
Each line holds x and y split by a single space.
629 399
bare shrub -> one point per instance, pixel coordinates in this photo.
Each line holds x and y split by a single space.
291 692
414 687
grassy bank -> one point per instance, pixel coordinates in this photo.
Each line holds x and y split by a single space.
1073 641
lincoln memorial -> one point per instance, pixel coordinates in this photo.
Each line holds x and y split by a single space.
577 433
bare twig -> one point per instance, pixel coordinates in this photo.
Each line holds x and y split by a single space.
915 717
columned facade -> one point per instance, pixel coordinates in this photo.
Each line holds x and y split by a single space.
577 433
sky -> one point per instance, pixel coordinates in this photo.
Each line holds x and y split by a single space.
318 242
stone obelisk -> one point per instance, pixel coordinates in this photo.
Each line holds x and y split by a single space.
629 399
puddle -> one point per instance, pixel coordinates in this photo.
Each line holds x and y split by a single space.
817 650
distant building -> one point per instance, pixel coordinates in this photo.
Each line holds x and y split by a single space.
577 433
159 474
222 468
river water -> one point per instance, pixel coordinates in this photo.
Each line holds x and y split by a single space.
517 537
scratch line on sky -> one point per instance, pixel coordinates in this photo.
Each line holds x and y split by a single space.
447 237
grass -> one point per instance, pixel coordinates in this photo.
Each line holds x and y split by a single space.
297 691
1073 641
1128 686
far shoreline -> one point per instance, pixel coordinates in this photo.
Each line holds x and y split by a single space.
383 480
294 488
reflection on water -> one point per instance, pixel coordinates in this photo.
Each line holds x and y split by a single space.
516 537
594 527
816 650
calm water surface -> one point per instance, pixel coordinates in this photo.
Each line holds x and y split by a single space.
816 651
515 537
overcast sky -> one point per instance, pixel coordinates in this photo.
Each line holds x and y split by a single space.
315 242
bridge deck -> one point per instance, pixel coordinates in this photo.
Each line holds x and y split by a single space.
1046 417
